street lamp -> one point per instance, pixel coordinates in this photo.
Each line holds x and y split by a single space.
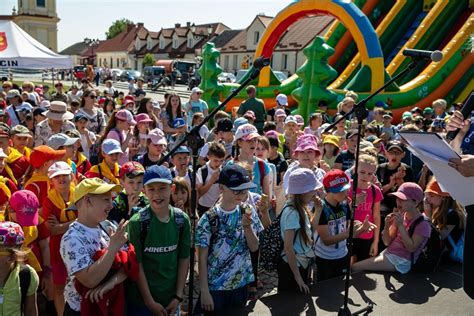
92 43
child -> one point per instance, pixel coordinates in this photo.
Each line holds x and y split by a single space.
291 135
340 131
156 145
58 218
296 232
315 122
21 138
196 120
161 235
61 141
7 186
280 117
15 164
332 227
366 244
180 160
387 130
79 159
181 195
109 169
402 249
346 158
207 176
18 296
227 233
330 149
131 198
140 135
223 131
88 138
119 129
277 159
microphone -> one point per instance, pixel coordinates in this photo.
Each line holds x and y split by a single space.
466 113
261 62
423 54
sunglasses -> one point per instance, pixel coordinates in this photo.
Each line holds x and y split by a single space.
93 96
240 192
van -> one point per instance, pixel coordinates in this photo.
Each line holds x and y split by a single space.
151 73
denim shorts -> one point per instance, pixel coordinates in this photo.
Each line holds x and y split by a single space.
401 264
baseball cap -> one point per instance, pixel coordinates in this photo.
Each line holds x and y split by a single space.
303 180
4 130
307 142
282 99
20 130
352 132
39 111
59 168
143 118
224 125
11 235
44 153
299 119
386 115
428 110
246 132
239 122
131 169
13 93
157 174
111 146
181 150
157 137
280 112
336 181
179 122
25 204
59 140
93 186
416 110
196 90
395 145
407 116
125 115
127 102
235 178
409 191
291 119
45 104
373 139
80 116
381 104
250 114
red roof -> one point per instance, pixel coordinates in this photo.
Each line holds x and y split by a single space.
122 42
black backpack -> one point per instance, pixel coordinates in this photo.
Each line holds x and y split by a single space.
431 253
25 279
145 220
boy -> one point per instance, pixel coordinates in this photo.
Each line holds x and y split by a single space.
346 158
388 131
223 131
21 138
180 160
162 239
227 233
88 138
207 176
156 145
131 198
15 164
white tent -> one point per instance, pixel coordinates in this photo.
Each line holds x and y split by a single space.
19 50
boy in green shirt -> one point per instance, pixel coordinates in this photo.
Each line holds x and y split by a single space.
162 239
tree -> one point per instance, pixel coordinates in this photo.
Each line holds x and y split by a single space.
117 27
148 60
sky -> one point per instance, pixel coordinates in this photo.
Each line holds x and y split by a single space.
92 18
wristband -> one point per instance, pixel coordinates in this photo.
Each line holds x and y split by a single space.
178 298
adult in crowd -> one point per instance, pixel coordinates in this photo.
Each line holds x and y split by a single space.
96 119
58 121
59 95
255 105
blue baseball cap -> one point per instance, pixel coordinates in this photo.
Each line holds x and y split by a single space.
239 122
235 178
181 150
179 122
111 146
80 116
157 174
381 104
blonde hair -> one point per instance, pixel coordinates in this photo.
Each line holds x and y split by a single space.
351 94
441 103
368 159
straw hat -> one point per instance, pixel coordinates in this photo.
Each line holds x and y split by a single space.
58 111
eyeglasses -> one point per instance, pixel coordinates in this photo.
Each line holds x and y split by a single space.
240 192
198 92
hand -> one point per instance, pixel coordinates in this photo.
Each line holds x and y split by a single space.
172 307
263 204
374 249
119 237
207 302
246 220
215 176
398 219
303 287
318 205
464 166
157 309
97 294
53 221
179 204
393 180
456 121
47 285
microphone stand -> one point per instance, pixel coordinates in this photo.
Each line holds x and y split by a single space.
195 142
361 113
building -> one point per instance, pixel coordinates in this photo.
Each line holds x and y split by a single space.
38 18
238 52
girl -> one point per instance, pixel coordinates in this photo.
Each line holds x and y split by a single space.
198 117
13 271
402 249
262 152
55 210
109 169
366 244
181 195
315 122
140 135
293 264
340 131
330 149
173 111
291 135
146 107
156 148
119 128
95 118
109 107
79 158
196 104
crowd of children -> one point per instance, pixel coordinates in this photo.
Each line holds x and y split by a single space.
93 224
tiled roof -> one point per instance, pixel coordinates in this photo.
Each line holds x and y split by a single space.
237 44
154 35
142 33
167 32
224 37
122 42
75 49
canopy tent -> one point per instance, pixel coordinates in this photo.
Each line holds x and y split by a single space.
19 50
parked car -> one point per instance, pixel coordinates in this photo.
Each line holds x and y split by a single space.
279 74
226 77
79 72
128 74
151 73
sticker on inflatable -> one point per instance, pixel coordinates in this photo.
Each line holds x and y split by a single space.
3 41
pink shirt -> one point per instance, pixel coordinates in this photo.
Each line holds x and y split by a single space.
364 209
398 248
113 134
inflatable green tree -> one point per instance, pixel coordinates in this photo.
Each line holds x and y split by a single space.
209 72
315 74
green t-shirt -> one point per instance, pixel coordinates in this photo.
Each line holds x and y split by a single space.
10 295
165 244
258 107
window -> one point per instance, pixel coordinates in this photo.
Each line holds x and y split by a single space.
100 63
41 3
256 37
148 43
118 62
175 43
234 62
226 62
112 63
284 61
190 42
162 43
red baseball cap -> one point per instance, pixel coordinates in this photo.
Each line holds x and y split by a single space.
131 169
336 181
43 153
409 191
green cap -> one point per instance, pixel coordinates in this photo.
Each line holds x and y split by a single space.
428 110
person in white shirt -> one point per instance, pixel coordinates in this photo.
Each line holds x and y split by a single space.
87 138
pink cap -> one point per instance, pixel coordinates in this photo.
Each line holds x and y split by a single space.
157 137
143 118
299 119
280 112
271 134
307 142
127 102
246 132
125 115
409 191
25 204
250 114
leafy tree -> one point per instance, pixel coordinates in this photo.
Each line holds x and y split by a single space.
117 27
148 60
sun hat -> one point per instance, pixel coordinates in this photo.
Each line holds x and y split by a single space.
58 111
331 139
246 132
157 174
280 113
239 122
93 186
131 169
433 187
336 181
125 115
59 168
307 142
25 204
224 125
11 235
235 178
111 146
282 99
143 118
44 153
303 180
157 137
409 191
291 119
13 93
20 130
60 140
196 90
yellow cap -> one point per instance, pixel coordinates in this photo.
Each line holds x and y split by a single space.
93 186
331 139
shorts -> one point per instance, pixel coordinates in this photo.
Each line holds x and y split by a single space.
361 248
401 264
225 299
59 273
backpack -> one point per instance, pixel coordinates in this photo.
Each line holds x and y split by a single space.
431 253
145 220
457 253
261 171
94 153
25 278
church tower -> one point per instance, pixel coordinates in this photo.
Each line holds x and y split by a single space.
39 18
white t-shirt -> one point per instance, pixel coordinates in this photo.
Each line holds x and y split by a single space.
212 195
74 97
175 173
84 143
78 245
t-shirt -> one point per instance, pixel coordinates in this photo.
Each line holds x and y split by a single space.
96 123
120 137
337 223
384 174
318 172
281 166
391 131
364 209
165 244
84 143
10 304
78 245
212 195
346 158
258 108
256 173
195 107
40 189
229 266
397 247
